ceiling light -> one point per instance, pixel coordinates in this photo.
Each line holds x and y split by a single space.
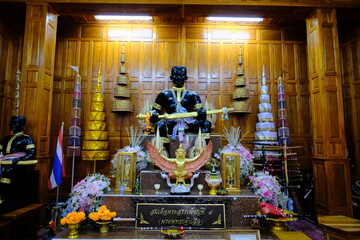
122 18
234 19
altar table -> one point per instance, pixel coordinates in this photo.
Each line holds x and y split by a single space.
127 234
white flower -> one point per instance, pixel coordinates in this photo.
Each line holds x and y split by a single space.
85 194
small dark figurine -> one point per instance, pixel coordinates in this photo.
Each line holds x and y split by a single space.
15 147
179 100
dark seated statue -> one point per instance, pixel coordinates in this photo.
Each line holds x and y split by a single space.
17 141
17 147
179 100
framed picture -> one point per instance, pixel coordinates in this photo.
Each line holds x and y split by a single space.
233 234
125 171
230 172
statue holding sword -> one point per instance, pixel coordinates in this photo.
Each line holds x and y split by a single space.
179 100
178 111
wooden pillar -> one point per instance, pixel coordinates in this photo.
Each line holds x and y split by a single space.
37 83
330 165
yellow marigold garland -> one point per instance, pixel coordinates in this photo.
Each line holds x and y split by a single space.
102 214
73 217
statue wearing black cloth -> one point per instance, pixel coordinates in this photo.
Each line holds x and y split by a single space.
17 141
179 100
15 147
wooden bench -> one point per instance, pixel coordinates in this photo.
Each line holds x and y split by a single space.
22 223
290 235
339 227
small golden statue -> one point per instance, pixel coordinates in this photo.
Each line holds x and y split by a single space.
180 168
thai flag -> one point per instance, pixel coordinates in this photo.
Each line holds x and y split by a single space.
58 167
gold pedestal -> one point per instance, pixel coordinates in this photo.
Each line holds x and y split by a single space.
73 230
104 227
278 226
213 190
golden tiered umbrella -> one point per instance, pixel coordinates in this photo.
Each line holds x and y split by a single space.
95 145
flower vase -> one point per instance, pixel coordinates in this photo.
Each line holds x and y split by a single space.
213 180
73 230
104 227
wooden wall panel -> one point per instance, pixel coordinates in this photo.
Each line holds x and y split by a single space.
202 61
229 67
160 60
174 56
133 60
37 84
10 49
277 62
211 68
350 54
190 59
112 60
327 113
147 61
215 61
84 63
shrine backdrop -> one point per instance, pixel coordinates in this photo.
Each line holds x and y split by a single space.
210 53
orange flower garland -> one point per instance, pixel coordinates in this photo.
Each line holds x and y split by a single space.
73 217
102 214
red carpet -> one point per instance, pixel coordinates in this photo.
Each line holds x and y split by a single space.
308 228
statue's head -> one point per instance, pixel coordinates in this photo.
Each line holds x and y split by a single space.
178 76
180 153
17 123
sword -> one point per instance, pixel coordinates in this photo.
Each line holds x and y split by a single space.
121 219
185 115
273 147
275 216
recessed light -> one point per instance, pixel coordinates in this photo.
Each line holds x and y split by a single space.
234 19
122 18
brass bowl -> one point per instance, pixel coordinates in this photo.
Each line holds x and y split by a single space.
172 233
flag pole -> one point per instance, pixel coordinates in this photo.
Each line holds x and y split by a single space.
57 173
72 169
56 206
57 195
57 187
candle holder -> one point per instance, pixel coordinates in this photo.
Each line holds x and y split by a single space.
200 188
157 187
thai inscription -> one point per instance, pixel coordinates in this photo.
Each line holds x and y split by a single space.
189 216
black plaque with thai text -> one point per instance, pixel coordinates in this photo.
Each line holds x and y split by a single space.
188 216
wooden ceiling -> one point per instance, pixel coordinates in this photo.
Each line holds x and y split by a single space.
84 13
177 13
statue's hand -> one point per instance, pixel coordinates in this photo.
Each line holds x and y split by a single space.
154 116
201 114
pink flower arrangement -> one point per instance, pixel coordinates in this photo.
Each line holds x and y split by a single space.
85 195
267 187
